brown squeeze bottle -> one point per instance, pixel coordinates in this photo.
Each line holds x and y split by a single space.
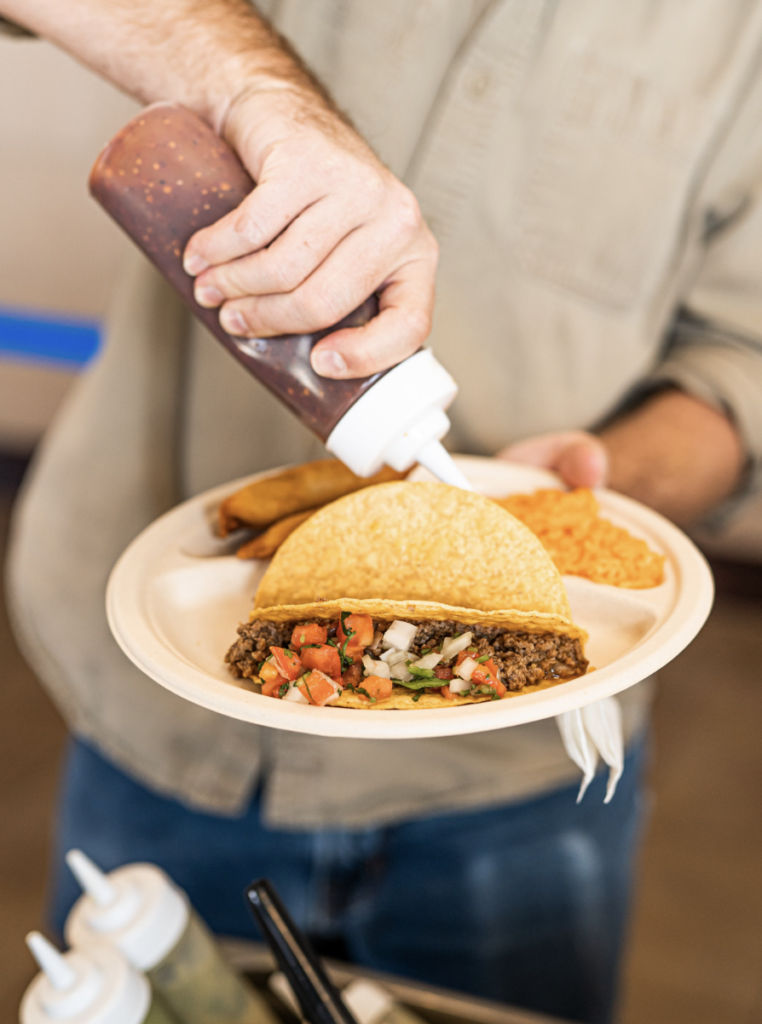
164 176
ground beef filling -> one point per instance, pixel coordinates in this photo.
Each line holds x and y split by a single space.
523 659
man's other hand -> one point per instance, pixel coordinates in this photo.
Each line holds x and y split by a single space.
674 453
326 226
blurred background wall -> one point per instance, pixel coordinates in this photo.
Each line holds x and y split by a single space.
60 256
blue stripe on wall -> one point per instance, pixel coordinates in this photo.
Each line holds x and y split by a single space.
64 341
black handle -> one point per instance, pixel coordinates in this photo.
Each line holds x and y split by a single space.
318 997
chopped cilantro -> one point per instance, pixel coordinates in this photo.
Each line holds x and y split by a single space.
416 697
362 690
283 689
421 684
420 673
346 661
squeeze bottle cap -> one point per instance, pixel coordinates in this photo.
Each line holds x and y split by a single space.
135 908
400 421
96 986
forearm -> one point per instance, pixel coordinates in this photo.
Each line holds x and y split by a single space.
676 454
205 54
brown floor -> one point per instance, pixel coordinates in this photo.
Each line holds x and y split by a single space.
696 950
31 739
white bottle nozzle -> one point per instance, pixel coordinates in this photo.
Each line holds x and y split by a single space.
91 878
94 986
52 963
135 908
435 457
400 421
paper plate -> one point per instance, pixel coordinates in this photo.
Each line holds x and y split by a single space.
176 596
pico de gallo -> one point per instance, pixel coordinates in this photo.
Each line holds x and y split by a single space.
313 662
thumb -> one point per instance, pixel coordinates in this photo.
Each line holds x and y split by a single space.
579 458
584 463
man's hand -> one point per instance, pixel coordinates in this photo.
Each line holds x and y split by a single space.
674 453
326 227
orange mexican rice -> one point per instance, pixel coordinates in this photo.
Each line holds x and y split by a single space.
582 543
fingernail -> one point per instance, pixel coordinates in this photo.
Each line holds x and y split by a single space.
232 321
208 296
328 363
194 265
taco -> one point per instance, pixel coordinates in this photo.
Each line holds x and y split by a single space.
404 596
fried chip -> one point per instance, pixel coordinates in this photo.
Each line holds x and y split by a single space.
416 550
293 490
267 543
582 543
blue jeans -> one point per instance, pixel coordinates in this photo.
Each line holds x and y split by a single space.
526 903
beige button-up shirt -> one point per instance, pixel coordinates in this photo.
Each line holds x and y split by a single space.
591 171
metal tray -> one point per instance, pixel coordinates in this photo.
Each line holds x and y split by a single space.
437 1005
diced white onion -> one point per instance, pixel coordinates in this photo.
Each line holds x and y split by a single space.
459 685
376 668
399 671
466 668
400 635
295 695
454 645
393 655
428 660
378 639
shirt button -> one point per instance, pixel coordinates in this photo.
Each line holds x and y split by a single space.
477 84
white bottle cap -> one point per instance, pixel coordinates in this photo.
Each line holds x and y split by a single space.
366 1001
136 908
400 421
95 986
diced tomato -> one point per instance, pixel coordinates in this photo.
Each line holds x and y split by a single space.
318 688
269 672
486 674
462 655
312 633
447 692
361 627
484 671
352 676
324 658
443 672
288 663
272 687
376 686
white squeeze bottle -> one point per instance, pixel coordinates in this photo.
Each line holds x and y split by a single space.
94 986
139 910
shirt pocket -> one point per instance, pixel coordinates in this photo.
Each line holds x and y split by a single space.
604 203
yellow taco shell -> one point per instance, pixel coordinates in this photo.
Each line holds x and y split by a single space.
416 550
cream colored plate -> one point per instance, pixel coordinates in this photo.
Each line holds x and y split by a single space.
176 596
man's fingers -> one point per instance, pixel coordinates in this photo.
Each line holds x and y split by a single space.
584 464
260 218
354 270
284 264
401 327
579 458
